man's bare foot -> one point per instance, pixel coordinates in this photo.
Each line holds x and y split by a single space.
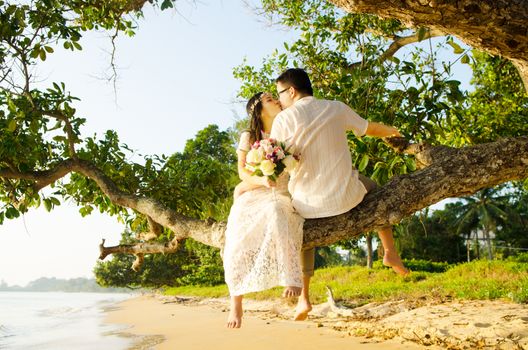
302 309
291 292
234 320
392 259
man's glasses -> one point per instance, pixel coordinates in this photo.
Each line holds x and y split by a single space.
280 92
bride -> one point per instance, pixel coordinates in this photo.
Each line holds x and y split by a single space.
264 233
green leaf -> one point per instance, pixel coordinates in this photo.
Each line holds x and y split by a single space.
34 53
11 213
456 48
47 204
42 55
364 162
48 49
465 59
12 125
166 4
411 164
421 33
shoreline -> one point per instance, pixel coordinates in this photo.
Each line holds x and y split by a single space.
165 322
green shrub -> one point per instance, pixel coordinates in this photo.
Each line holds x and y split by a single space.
521 258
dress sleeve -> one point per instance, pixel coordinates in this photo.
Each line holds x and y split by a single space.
244 144
354 121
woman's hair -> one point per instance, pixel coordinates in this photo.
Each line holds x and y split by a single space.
254 110
298 78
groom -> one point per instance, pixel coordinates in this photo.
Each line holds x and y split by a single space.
324 183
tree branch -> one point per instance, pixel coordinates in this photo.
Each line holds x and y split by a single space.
447 172
401 41
497 27
139 250
155 230
69 130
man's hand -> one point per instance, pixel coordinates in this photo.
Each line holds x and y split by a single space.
381 130
395 133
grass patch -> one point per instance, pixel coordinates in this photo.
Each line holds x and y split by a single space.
206 292
482 280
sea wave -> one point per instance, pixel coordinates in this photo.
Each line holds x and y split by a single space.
49 321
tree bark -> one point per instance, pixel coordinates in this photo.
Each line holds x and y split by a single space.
495 26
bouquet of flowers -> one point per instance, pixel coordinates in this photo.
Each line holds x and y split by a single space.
268 157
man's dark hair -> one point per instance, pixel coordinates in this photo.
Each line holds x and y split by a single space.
298 78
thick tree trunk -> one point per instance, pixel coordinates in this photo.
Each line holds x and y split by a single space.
448 172
494 26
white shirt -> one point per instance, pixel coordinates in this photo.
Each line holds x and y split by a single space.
324 183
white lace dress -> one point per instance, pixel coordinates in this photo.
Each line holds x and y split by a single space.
263 241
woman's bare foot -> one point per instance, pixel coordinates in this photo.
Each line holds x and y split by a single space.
392 259
302 309
291 292
234 320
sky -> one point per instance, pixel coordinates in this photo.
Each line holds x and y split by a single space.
174 79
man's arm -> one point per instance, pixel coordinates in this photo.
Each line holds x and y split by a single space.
380 130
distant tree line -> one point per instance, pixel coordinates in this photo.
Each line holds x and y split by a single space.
52 284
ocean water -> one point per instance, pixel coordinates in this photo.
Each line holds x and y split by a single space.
31 320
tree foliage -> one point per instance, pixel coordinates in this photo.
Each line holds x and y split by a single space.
197 182
433 237
354 58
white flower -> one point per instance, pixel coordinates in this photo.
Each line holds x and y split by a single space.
267 167
255 156
267 146
290 162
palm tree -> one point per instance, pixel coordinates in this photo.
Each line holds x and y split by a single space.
484 211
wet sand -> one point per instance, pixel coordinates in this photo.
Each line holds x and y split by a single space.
162 324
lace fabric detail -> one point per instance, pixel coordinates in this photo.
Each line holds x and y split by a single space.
263 241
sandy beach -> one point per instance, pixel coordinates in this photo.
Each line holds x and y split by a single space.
161 322
183 325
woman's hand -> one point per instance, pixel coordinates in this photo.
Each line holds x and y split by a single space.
267 182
